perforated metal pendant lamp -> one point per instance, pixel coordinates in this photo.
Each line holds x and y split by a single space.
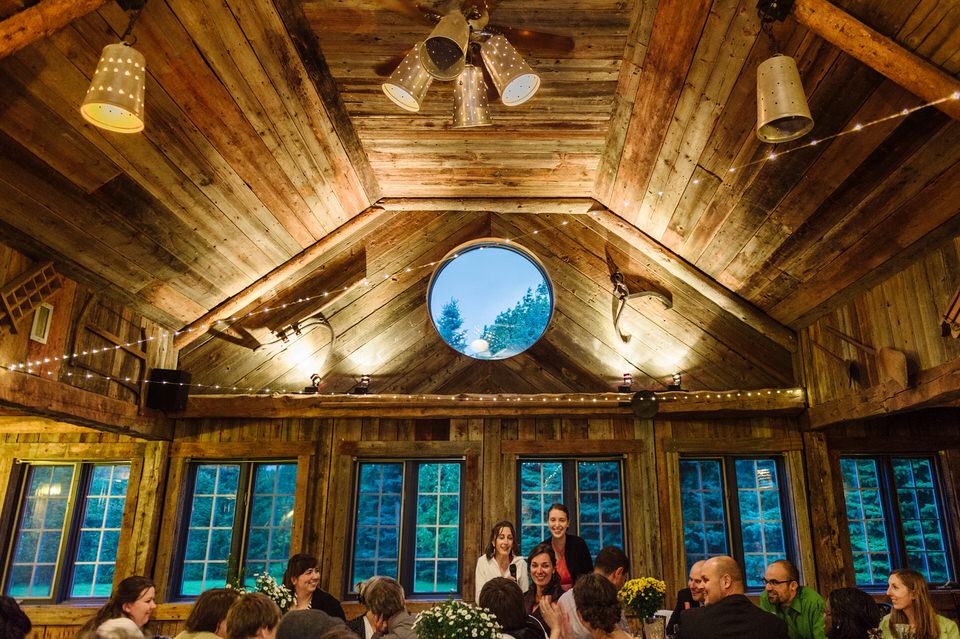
515 80
782 111
470 106
409 82
114 100
444 50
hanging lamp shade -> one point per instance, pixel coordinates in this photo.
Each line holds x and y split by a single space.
409 82
444 49
782 111
470 106
114 100
515 80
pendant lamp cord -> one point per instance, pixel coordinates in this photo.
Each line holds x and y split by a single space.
133 18
766 25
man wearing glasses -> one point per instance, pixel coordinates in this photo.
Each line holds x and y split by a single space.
800 606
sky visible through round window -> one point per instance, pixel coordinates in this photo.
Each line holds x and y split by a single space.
491 301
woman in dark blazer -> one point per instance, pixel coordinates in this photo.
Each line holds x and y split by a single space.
573 556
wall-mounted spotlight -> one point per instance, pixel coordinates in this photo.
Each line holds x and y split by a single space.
315 382
627 383
363 386
674 384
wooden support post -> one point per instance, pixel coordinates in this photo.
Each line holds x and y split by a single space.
879 52
827 517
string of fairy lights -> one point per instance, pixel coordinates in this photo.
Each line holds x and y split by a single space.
224 324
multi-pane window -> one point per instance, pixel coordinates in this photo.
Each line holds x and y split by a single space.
67 531
734 505
239 519
591 489
399 505
896 518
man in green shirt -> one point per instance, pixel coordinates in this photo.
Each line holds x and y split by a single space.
800 606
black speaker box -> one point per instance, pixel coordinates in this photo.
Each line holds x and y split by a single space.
168 389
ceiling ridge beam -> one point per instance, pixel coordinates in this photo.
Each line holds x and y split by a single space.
698 280
193 331
879 52
40 20
528 205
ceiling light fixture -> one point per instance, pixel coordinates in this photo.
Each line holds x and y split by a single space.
782 111
446 47
407 85
114 100
470 106
515 80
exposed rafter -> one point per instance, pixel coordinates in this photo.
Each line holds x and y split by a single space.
41 20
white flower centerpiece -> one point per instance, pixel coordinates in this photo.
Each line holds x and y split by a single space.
266 584
457 620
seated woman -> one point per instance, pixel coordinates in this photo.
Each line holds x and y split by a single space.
598 606
133 599
386 615
501 558
545 582
851 613
504 599
911 605
573 556
301 578
208 617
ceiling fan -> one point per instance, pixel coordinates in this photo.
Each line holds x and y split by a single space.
449 51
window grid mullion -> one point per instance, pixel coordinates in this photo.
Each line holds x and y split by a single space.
889 494
731 489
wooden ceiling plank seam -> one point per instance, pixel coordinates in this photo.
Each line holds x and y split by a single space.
574 375
728 36
678 26
913 73
266 33
178 66
225 47
912 229
913 178
313 63
769 284
420 362
155 172
47 16
635 50
941 42
570 279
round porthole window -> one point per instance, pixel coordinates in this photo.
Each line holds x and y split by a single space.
490 299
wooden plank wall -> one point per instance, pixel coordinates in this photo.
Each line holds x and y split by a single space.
326 447
902 313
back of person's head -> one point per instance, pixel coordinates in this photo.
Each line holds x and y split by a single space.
728 567
14 624
383 596
211 609
127 591
924 614
597 602
852 614
609 559
118 628
497 527
249 614
504 599
306 624
296 566
339 632
787 566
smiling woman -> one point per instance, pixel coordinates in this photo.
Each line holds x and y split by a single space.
490 299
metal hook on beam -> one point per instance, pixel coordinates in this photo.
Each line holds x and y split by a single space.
622 294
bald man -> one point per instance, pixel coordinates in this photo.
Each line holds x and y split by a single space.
689 597
727 613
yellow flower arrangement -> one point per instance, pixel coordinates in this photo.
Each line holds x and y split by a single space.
642 597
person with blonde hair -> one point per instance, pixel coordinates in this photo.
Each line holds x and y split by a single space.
910 599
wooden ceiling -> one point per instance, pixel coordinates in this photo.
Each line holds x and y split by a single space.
267 130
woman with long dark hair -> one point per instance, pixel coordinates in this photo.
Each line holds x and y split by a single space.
572 555
133 599
851 613
544 581
301 578
911 605
502 558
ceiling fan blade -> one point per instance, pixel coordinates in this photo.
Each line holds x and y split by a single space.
384 69
537 41
412 10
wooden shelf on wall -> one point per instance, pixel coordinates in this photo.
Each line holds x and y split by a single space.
21 297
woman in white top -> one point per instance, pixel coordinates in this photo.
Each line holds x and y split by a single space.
502 558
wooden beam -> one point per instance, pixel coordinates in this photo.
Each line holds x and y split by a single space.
560 205
879 52
408 449
933 387
41 20
571 446
268 282
703 404
65 403
24 424
696 279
